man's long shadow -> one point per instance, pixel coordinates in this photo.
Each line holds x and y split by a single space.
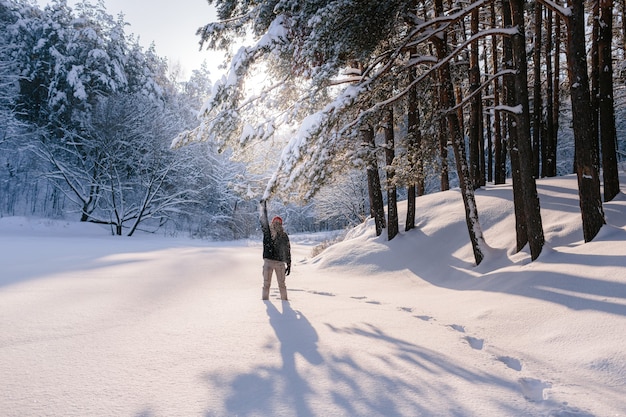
296 335
267 387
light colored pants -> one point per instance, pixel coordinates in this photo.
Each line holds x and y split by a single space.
269 267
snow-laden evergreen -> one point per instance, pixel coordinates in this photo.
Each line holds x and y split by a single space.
86 118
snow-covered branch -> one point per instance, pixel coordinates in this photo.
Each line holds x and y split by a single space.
509 109
482 86
565 12
379 105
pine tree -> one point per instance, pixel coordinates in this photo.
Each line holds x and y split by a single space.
608 137
587 164
522 146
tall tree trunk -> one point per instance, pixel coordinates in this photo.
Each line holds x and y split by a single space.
499 150
414 140
442 131
377 208
623 8
537 98
608 135
532 212
410 207
458 94
521 234
477 170
585 140
442 138
594 77
458 145
392 196
556 101
488 122
548 169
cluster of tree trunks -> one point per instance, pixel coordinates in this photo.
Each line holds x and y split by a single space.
501 123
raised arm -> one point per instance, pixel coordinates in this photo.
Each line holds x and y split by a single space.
265 223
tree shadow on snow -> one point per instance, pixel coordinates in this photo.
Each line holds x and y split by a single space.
415 386
395 378
546 278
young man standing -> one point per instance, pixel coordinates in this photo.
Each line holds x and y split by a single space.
276 253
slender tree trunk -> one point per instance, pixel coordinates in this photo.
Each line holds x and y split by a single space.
556 102
392 195
532 212
594 77
499 150
454 40
509 98
143 209
623 8
410 207
475 126
549 149
84 216
458 94
585 140
608 135
458 145
442 131
377 208
414 139
442 136
537 97
488 122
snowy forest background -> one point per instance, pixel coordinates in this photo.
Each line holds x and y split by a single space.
331 114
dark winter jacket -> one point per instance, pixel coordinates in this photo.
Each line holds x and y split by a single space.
277 249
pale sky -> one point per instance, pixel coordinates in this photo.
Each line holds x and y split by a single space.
171 25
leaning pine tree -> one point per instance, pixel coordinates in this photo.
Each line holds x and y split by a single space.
308 48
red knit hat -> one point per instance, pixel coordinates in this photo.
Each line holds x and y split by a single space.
277 219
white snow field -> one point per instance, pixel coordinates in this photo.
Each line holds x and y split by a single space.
96 325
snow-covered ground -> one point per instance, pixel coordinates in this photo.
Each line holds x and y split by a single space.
96 325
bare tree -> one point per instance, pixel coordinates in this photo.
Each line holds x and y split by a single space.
137 167
343 202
